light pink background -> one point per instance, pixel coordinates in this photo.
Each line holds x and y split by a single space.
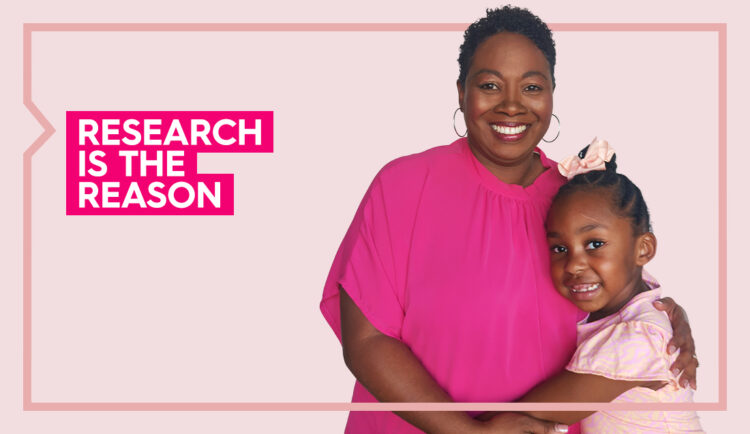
215 309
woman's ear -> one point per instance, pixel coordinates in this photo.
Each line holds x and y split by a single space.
645 248
460 88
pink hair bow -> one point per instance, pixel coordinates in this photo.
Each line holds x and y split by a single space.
598 153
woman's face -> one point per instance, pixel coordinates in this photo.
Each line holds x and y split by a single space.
506 100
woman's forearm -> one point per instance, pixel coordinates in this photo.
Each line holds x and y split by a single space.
391 372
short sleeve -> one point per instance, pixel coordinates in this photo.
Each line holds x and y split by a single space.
632 350
364 267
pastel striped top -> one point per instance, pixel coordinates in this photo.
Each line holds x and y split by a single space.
632 345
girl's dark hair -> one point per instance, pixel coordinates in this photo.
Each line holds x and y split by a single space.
627 200
506 19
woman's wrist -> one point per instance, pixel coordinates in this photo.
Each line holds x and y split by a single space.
468 425
448 422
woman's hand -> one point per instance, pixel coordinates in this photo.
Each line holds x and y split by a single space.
516 423
682 339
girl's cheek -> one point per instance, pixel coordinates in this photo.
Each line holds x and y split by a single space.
556 274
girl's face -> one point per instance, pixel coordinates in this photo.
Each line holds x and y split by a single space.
596 258
506 100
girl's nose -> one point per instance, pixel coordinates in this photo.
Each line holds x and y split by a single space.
575 264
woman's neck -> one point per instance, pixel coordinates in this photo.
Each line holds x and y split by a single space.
523 176
523 173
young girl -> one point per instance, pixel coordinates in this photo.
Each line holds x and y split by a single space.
600 238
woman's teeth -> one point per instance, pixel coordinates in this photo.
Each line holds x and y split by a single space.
509 130
585 288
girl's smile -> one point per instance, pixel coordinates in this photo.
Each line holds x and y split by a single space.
585 291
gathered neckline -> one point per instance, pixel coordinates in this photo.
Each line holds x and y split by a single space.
547 182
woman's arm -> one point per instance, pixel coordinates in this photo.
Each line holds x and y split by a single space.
682 339
391 372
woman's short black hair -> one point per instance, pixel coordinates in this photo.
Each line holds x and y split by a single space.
626 198
506 19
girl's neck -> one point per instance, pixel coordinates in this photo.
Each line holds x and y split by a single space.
639 287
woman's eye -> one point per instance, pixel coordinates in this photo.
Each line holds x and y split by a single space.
558 249
595 244
532 88
489 86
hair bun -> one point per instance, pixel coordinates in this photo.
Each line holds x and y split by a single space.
611 165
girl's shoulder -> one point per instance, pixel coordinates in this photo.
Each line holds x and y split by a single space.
630 346
641 310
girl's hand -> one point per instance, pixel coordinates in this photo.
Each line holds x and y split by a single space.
516 423
682 339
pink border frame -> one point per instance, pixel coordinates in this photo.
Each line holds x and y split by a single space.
28 404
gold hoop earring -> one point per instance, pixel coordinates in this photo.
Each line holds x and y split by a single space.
558 130
454 124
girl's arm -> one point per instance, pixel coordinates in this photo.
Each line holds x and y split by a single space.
569 386
391 372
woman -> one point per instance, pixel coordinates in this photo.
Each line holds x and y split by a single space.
440 290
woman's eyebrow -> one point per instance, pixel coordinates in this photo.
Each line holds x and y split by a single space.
533 73
489 71
526 74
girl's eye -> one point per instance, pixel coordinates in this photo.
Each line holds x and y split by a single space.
558 249
595 244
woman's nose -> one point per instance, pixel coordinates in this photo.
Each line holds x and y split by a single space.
510 104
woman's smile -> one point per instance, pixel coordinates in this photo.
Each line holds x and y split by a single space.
510 131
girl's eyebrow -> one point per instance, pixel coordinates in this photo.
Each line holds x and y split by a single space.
590 227
582 229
